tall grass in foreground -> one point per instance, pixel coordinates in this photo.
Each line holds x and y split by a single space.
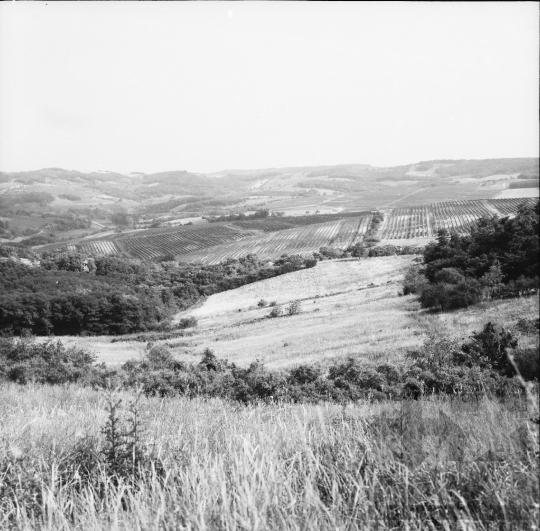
214 465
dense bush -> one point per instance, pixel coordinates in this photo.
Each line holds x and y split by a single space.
414 280
524 184
451 296
115 295
187 322
24 360
499 259
70 197
9 199
486 362
481 365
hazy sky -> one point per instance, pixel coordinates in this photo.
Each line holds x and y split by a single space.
202 86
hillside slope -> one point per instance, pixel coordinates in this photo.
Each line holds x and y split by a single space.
347 308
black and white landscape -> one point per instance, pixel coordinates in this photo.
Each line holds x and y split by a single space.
269 266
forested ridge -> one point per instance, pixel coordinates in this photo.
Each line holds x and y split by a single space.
68 294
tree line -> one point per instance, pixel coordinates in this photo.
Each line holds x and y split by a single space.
70 294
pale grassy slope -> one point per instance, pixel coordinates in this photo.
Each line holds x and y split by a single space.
518 192
327 277
342 314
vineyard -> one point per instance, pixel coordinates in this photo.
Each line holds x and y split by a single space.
407 222
509 206
96 248
455 216
158 243
179 242
302 240
213 243
271 224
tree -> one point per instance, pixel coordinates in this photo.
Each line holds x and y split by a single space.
488 348
414 280
493 279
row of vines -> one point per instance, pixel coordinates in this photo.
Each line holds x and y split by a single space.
307 239
215 243
455 216
181 242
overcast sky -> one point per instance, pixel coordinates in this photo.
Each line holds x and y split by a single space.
203 86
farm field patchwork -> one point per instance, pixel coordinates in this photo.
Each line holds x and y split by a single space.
213 243
306 239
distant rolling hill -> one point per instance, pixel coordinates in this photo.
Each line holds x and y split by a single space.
216 242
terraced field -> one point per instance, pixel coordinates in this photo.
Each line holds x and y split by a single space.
291 241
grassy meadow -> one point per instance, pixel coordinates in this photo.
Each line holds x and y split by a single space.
347 308
213 465
82 458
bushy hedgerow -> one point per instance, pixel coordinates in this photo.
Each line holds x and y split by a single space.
487 362
481 365
24 360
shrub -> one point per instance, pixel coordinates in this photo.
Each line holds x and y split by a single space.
188 322
23 360
294 308
159 356
528 326
448 296
304 374
414 280
277 311
449 275
71 197
488 349
262 303
527 361
209 361
352 371
436 352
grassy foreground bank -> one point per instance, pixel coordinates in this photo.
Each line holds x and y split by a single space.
214 465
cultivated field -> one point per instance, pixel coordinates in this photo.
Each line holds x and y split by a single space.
151 244
213 243
98 248
303 240
455 216
508 207
179 242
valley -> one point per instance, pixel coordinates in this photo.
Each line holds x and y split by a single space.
348 308
56 208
